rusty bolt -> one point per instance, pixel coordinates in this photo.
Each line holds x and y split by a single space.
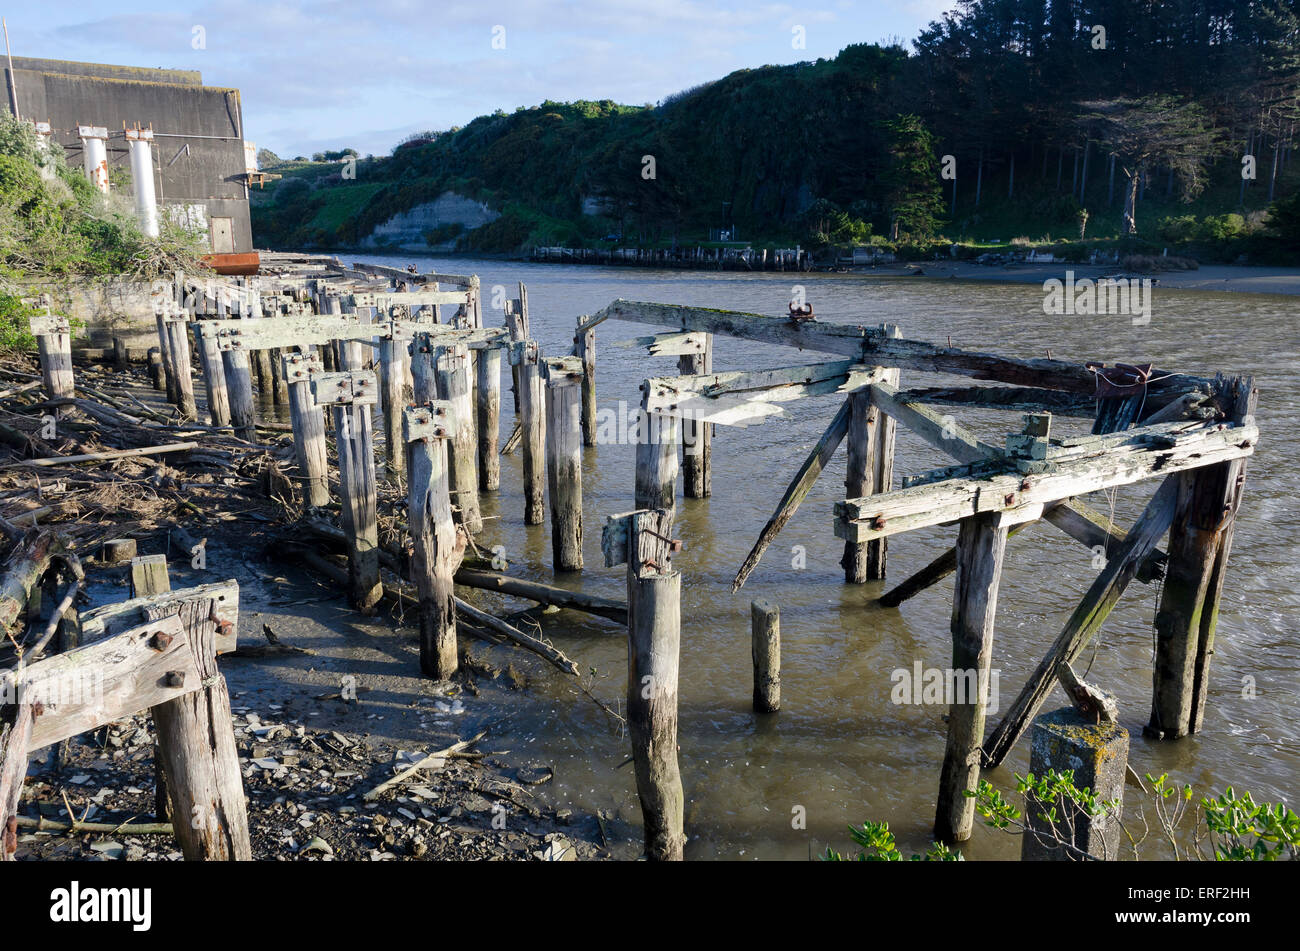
160 641
1009 498
877 522
1024 486
175 678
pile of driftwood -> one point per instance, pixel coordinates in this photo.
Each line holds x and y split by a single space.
111 461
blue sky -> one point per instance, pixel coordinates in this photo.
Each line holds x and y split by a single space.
331 74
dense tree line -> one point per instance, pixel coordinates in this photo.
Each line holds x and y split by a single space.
1046 106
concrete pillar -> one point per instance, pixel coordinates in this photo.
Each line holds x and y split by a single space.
1097 753
43 143
94 151
146 202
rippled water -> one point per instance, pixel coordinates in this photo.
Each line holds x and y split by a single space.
840 748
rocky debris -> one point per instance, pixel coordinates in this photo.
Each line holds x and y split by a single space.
305 788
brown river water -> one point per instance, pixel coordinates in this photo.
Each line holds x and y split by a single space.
841 751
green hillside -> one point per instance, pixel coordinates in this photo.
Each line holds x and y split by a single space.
1016 92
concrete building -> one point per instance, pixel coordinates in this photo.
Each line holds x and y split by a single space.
189 135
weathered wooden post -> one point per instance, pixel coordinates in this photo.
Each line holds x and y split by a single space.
396 395
1200 539
584 347
424 386
437 545
564 459
197 747
299 369
697 438
525 355
870 471
178 342
981 542
656 458
214 374
451 369
489 418
765 634
643 541
54 343
352 394
165 347
239 392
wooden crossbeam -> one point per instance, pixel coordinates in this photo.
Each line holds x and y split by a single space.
740 398
1071 516
111 619
386 299
669 344
295 331
397 274
1141 456
869 345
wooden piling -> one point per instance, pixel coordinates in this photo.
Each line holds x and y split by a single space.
156 375
765 623
178 341
643 540
214 376
451 370
697 437
148 578
584 347
239 390
1200 540
396 394
871 438
279 387
351 394
54 345
165 348
532 423
488 419
656 461
564 460
437 545
308 426
981 542
197 744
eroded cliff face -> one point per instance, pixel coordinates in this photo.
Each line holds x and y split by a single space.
409 230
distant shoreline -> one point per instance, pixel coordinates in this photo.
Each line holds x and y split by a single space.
1222 278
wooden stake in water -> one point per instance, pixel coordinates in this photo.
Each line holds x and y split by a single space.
489 419
643 541
564 459
697 438
584 347
981 542
451 369
765 621
532 422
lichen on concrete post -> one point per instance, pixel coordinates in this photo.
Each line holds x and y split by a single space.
1097 754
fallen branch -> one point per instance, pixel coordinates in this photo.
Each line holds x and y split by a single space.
417 766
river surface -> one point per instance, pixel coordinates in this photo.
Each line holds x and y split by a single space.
841 751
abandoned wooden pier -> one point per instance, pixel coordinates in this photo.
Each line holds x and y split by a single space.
337 339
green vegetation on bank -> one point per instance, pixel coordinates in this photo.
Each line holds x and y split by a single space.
1007 120
55 226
